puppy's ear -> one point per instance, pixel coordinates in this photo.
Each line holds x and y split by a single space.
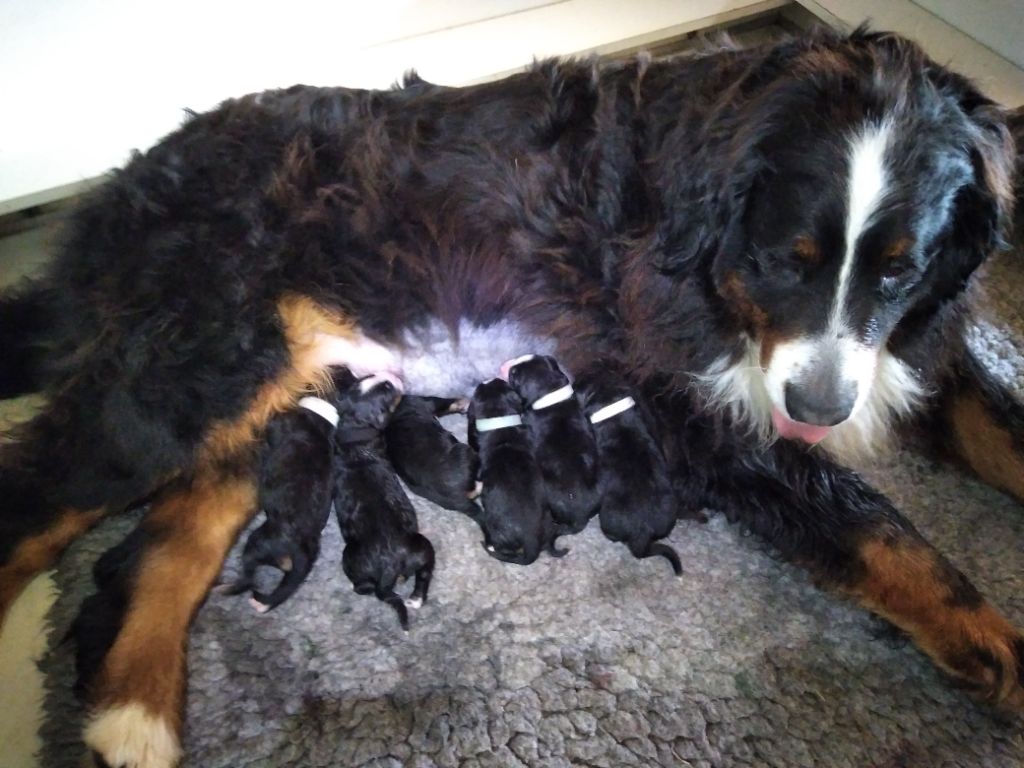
982 210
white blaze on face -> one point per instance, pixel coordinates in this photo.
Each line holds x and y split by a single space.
867 187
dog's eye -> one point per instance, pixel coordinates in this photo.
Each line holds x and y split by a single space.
897 279
786 266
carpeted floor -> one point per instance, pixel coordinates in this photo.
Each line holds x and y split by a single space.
596 659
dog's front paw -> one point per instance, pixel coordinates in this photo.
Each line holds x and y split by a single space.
127 736
414 602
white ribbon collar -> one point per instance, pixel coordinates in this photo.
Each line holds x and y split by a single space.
614 409
553 398
321 408
499 422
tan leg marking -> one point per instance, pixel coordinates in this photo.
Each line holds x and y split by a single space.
138 696
36 553
909 584
986 447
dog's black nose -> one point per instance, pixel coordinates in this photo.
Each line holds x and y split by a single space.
812 402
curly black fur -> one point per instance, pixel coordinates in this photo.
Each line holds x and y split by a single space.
429 458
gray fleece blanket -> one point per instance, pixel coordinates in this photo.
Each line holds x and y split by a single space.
596 659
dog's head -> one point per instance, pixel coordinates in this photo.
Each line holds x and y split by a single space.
369 402
856 190
494 398
534 376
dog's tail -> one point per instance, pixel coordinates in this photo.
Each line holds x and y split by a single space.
27 325
664 550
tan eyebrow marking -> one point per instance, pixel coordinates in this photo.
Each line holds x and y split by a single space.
898 249
806 247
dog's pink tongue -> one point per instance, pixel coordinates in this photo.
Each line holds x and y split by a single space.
797 430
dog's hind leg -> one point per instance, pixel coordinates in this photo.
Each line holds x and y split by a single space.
827 519
289 584
138 691
389 596
60 476
424 573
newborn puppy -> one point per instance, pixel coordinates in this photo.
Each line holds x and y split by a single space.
515 524
563 442
377 521
429 458
296 484
638 501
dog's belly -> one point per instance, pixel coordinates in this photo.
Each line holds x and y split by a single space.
434 361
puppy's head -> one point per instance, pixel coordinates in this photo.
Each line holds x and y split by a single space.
534 376
342 378
370 402
494 398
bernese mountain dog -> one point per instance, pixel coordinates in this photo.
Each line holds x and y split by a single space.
296 491
431 460
562 439
770 244
516 523
638 501
382 540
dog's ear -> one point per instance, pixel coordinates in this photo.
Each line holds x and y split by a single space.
705 193
983 208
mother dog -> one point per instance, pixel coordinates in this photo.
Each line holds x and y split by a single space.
769 243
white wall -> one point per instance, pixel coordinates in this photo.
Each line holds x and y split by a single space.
82 82
999 24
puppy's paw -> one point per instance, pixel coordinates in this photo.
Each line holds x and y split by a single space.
260 607
459 406
127 736
285 563
477 490
414 602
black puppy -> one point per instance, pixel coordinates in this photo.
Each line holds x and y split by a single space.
638 501
377 520
296 485
514 520
563 442
429 458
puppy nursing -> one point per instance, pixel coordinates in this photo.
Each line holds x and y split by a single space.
638 503
296 486
562 440
377 520
429 458
516 524
542 459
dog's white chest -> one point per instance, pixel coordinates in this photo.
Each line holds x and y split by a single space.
436 362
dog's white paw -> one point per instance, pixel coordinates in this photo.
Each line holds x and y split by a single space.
260 607
414 602
127 735
477 490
